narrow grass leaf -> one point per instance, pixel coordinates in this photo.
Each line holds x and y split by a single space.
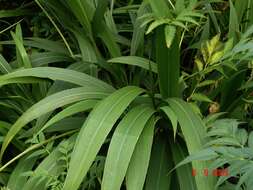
135 61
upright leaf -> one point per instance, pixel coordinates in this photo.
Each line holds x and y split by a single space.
168 61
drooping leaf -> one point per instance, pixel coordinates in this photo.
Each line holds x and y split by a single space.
138 167
71 110
193 130
48 104
136 61
172 116
158 176
53 73
122 146
95 130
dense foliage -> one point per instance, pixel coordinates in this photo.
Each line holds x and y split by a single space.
126 94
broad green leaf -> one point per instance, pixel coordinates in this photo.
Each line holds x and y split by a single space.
94 132
193 130
48 104
71 110
44 58
201 97
53 73
138 167
168 61
173 118
136 61
155 24
64 125
122 146
158 176
170 32
184 173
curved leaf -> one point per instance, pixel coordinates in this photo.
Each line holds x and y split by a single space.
194 133
136 61
122 146
48 104
71 110
94 132
138 167
54 73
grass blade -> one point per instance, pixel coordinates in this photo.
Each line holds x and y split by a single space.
136 61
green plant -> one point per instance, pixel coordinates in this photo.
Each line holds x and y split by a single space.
116 94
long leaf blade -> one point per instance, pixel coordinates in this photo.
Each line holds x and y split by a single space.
94 132
138 167
122 146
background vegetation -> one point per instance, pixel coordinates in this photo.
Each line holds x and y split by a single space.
126 94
